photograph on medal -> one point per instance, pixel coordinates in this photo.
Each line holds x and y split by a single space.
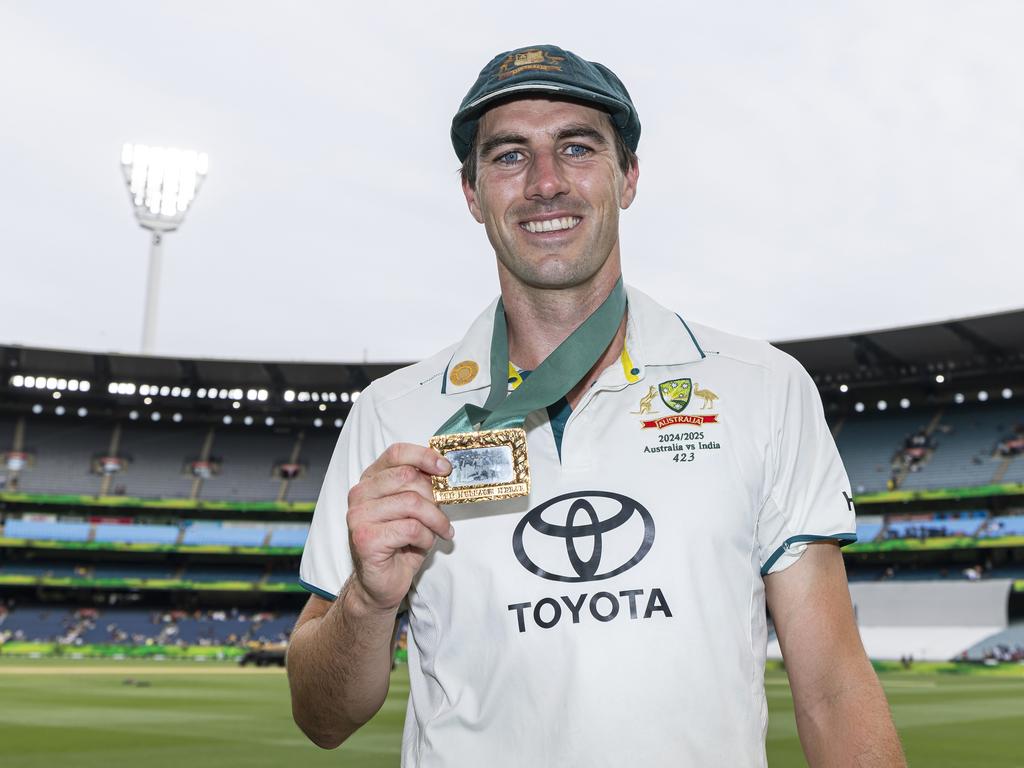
486 466
480 466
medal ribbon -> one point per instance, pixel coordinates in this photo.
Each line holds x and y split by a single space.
553 378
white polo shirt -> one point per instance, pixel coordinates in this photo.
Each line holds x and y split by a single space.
616 615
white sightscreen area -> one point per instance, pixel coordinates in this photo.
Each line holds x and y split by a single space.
929 620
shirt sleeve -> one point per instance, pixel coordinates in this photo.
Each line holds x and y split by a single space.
326 558
809 496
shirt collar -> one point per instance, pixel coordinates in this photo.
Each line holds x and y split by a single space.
654 336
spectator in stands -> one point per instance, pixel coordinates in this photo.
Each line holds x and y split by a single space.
1011 446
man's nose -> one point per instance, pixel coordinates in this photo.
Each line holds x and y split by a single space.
545 179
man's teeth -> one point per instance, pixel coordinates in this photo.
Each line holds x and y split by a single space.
552 225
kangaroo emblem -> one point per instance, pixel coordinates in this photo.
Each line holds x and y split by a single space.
645 401
708 396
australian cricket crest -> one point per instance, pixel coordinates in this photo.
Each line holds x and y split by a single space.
676 393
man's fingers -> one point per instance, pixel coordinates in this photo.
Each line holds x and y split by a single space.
425 459
408 533
407 504
390 481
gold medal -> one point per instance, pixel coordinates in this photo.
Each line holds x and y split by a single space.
486 466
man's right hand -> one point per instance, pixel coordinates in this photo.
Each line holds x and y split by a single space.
392 523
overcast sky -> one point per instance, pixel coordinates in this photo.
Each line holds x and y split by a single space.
807 168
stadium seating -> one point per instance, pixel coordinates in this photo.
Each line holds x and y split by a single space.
868 443
139 626
27 529
137 534
868 527
317 448
6 440
1015 471
62 452
288 537
1003 525
39 569
133 571
966 440
158 459
234 536
1012 637
936 524
247 463
222 573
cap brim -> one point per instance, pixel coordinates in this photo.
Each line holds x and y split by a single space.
466 117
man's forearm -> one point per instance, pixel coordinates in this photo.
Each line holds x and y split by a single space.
846 721
339 667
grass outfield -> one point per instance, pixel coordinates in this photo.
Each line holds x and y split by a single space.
82 714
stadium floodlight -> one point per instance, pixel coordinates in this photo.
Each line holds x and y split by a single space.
983 396
1007 393
939 378
162 182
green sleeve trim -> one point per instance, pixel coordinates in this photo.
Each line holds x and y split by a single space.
317 591
692 337
842 538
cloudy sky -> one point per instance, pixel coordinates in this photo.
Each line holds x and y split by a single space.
807 168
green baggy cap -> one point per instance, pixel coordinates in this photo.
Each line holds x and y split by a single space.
547 70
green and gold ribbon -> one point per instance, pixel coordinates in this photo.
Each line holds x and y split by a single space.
552 380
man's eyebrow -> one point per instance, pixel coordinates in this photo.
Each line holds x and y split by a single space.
580 131
489 145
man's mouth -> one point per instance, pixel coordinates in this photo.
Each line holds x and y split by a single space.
551 225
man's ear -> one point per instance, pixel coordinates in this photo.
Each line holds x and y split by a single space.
629 182
470 193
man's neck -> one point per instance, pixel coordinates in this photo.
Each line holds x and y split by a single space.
541 319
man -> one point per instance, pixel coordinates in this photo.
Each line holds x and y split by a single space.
616 614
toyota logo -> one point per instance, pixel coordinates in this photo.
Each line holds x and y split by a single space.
583 536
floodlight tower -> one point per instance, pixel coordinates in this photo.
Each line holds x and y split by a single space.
162 182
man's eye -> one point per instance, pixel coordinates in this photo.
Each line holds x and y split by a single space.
577 150
509 158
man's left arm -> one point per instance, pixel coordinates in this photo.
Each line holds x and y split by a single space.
842 714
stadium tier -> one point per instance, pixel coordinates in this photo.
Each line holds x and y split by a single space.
131 627
164 461
225 464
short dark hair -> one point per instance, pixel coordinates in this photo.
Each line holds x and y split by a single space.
626 157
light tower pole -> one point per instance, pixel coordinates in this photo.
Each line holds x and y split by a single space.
162 182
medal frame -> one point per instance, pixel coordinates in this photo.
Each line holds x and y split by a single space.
514 438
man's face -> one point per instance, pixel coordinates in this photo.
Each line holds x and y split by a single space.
548 191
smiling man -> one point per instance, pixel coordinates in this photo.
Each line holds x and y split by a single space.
604 600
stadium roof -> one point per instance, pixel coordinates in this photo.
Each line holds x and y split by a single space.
984 344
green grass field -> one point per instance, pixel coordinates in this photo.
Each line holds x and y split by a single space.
82 714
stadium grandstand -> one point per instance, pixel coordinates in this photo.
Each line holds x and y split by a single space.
158 506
